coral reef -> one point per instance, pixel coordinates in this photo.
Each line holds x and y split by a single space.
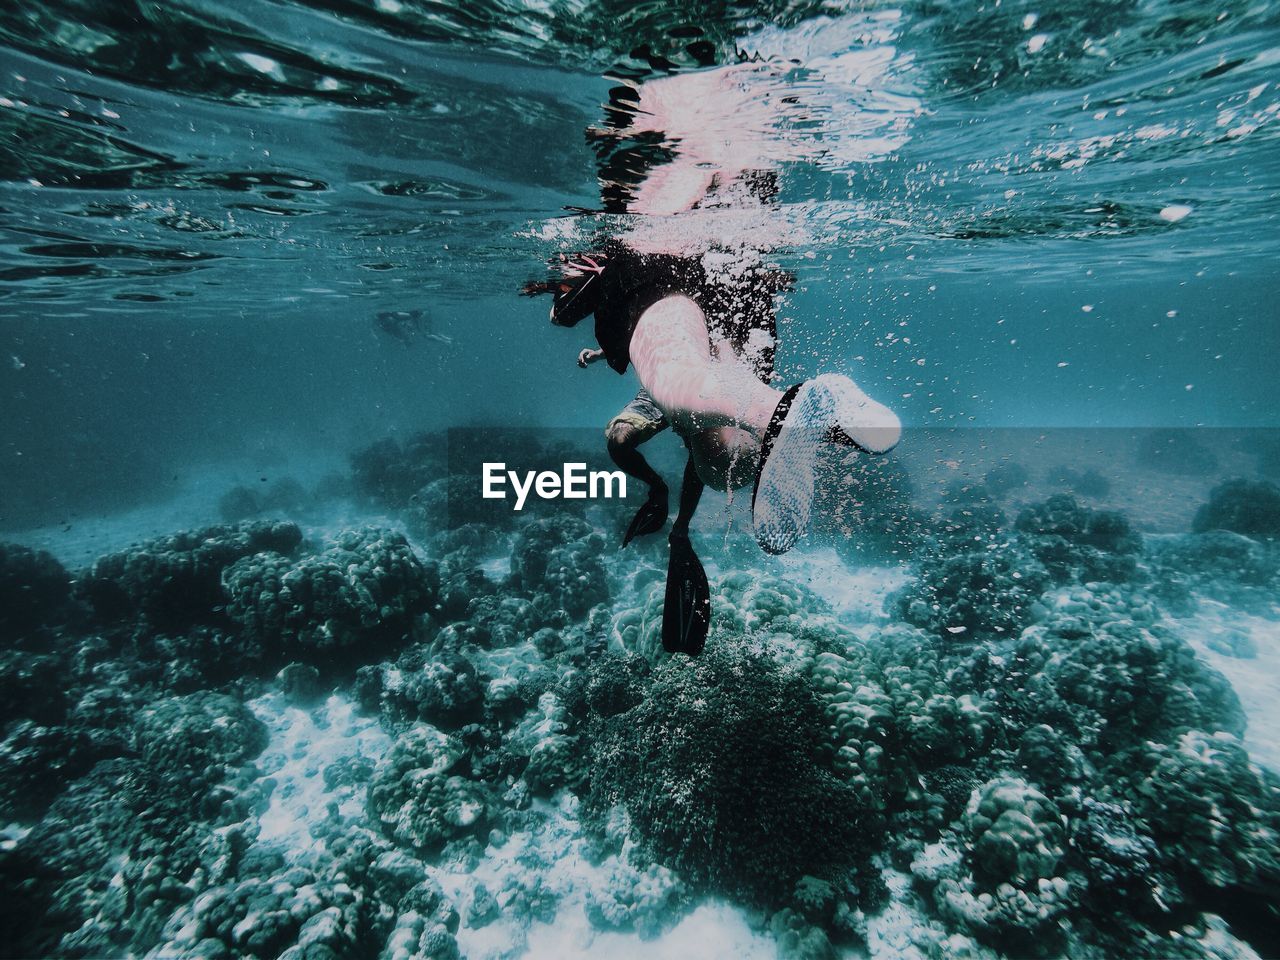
716 768
197 733
1085 483
177 581
546 750
990 589
292 914
1214 815
365 587
443 689
421 794
557 560
35 589
1101 672
128 843
447 503
999 879
978 579
891 717
389 473
1228 567
634 900
36 762
1249 507
232 743
1076 543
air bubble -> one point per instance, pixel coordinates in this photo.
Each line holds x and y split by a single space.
1175 212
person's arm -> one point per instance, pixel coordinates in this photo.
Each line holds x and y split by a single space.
589 356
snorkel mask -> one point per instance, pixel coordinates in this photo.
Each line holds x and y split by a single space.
577 292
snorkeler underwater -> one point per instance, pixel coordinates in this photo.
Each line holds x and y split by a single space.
498 481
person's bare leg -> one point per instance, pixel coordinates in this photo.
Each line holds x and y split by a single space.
726 457
624 438
623 442
671 353
690 494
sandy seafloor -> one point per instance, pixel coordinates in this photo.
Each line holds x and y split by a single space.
303 742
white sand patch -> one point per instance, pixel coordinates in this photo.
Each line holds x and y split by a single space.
303 743
857 595
11 834
1256 679
549 856
890 932
497 568
714 929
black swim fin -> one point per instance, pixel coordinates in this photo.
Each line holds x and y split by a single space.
650 518
686 612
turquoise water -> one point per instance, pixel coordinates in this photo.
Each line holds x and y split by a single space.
244 243
205 206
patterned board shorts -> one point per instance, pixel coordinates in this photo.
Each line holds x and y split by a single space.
643 415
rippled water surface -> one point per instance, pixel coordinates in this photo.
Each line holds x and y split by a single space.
373 152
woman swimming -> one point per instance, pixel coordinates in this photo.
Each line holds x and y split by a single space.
701 360
686 299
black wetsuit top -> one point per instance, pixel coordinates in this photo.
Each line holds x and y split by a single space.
734 306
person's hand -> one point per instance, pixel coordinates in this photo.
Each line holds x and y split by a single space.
589 356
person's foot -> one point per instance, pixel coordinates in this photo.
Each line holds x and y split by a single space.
807 417
860 421
686 607
651 517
